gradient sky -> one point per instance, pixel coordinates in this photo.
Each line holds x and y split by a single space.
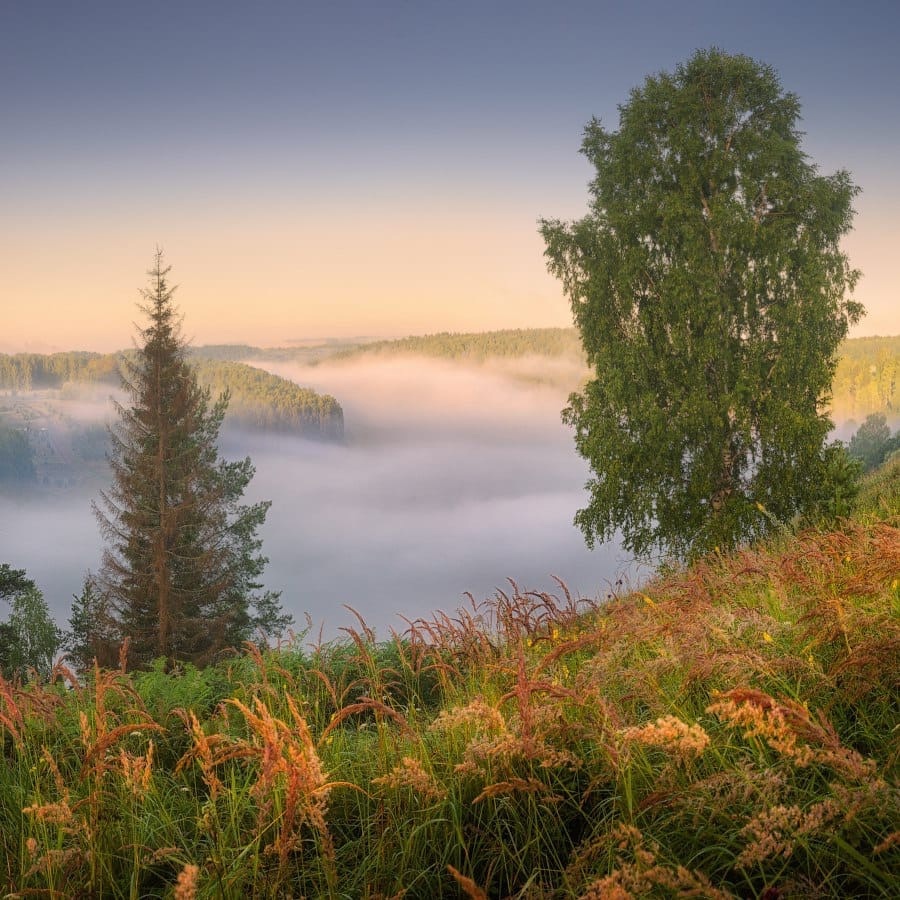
370 168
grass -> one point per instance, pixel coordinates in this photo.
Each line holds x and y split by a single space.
730 730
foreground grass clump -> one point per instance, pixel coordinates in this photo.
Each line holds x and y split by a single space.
728 731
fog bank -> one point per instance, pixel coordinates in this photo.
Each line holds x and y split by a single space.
451 479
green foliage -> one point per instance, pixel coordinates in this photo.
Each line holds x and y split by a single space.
879 493
180 573
710 292
727 731
29 637
835 496
873 442
92 636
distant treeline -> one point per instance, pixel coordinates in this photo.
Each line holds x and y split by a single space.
480 346
258 398
511 343
305 354
33 371
867 378
262 400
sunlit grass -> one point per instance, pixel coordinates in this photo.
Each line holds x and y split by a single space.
728 730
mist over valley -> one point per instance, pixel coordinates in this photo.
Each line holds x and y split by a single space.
402 474
451 477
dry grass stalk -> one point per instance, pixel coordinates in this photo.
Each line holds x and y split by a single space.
517 786
137 770
290 767
477 715
774 832
188 881
11 717
639 873
365 704
788 728
59 813
467 885
410 773
671 734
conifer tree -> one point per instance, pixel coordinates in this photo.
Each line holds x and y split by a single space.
182 559
92 633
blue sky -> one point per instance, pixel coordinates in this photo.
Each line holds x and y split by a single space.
370 168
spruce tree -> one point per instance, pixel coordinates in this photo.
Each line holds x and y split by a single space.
182 559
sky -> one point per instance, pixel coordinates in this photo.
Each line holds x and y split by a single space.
370 168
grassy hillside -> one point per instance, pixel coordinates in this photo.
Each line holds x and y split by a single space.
728 731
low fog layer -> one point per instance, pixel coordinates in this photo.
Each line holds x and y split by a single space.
451 479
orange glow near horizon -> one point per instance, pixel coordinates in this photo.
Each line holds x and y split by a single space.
266 282
269 280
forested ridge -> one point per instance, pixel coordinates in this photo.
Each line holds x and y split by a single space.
867 379
477 346
258 398
262 400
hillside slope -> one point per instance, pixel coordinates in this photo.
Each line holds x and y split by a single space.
729 730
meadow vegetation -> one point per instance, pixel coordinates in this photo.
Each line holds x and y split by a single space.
728 730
